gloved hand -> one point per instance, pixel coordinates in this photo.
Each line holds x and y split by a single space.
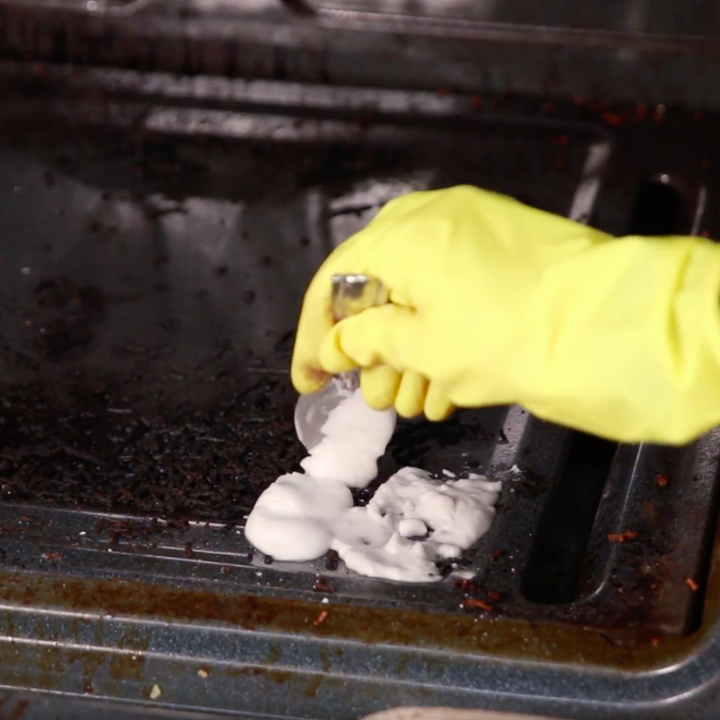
493 302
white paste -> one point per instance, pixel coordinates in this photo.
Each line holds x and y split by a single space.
458 511
397 559
374 541
299 517
293 519
411 527
354 438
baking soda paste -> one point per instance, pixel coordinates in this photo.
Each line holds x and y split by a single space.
411 522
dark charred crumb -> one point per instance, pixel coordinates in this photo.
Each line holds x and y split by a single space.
332 560
268 560
466 585
365 120
248 297
497 554
188 549
54 556
221 271
322 586
8 531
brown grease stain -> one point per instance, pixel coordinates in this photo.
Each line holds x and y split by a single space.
278 676
462 634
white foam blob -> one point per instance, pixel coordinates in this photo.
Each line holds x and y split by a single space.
354 438
374 540
410 527
458 511
293 519
396 559
299 517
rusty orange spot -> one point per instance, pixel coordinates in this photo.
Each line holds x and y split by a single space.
476 604
655 642
443 91
559 140
661 480
622 536
612 119
692 584
321 618
476 102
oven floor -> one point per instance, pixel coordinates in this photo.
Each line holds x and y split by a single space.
158 236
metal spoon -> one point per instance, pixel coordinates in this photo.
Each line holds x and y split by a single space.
351 294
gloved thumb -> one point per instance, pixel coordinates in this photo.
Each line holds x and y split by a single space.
383 335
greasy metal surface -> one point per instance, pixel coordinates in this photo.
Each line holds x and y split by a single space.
661 52
158 233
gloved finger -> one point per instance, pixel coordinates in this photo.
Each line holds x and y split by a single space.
379 386
437 405
410 397
316 318
383 335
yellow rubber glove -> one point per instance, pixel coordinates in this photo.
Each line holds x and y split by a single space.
493 302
